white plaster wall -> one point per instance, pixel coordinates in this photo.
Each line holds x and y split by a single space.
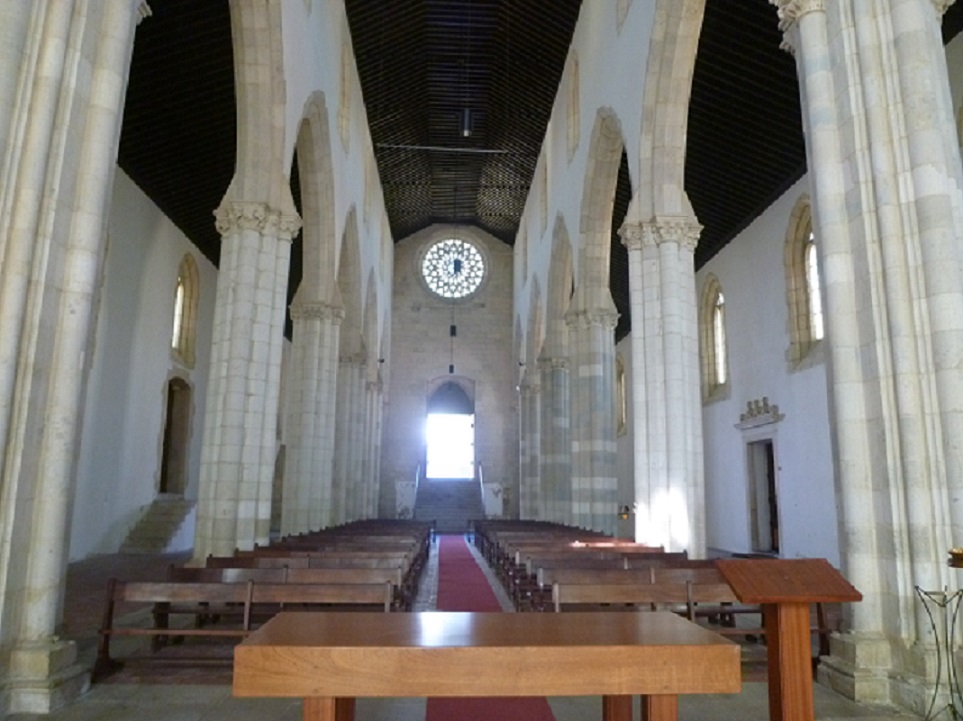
420 352
751 272
118 471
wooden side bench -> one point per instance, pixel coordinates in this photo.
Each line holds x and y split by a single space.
241 601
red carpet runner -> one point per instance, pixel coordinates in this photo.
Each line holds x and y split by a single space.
463 587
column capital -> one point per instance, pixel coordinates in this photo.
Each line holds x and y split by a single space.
592 318
551 364
237 215
681 229
316 311
942 6
354 359
143 10
790 12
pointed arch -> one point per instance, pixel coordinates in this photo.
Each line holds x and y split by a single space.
665 109
261 98
601 177
560 285
350 286
316 175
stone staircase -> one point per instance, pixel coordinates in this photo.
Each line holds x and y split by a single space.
161 528
450 503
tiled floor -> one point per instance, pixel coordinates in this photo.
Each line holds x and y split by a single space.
205 695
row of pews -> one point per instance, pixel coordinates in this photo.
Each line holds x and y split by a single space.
365 565
550 567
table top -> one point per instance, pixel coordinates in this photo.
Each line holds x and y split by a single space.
483 654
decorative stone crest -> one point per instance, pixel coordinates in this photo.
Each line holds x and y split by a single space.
759 413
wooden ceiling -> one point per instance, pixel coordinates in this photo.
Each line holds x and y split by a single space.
433 69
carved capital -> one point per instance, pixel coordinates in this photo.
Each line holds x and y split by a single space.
552 364
942 6
634 236
234 216
289 225
359 360
682 230
592 318
143 10
790 12
316 311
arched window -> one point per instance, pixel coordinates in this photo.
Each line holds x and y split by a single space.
803 286
712 323
184 326
573 118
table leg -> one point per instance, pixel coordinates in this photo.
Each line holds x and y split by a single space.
616 708
790 661
328 709
660 708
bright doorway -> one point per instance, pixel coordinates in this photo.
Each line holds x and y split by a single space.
450 434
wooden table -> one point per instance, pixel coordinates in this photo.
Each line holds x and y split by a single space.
785 588
329 659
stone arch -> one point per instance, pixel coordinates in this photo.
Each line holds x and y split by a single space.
601 177
350 287
665 109
261 98
560 285
316 173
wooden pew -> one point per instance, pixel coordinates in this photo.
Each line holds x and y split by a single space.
240 602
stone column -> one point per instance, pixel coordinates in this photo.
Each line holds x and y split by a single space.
308 469
669 475
237 456
886 182
594 485
347 452
53 250
372 429
529 492
556 439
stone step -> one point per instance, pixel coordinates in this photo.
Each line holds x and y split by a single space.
158 527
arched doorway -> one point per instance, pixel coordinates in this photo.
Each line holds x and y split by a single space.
450 434
177 427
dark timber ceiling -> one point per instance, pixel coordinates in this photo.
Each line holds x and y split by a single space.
430 69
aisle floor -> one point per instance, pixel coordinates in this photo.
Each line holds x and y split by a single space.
205 695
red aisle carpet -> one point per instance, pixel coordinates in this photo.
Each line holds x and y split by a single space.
463 587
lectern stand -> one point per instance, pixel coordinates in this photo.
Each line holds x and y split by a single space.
785 588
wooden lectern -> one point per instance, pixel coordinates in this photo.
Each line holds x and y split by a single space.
785 588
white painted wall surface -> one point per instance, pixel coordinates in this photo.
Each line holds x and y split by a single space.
120 452
751 273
